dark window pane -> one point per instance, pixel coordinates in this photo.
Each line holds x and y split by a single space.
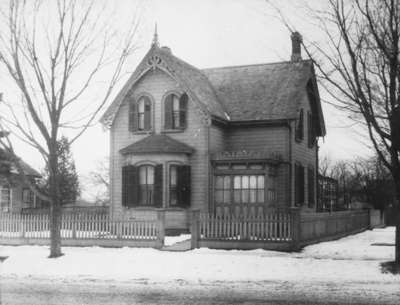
245 195
236 196
219 196
253 197
227 195
227 182
260 195
219 182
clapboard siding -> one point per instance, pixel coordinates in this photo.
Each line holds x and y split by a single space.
217 138
261 138
303 154
157 83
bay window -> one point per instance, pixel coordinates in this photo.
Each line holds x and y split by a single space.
242 183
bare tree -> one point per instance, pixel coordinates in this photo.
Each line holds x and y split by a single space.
100 179
55 52
359 65
325 166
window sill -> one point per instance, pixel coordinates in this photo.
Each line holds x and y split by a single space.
152 208
142 132
173 130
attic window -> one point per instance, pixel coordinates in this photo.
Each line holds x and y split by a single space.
140 114
300 126
175 111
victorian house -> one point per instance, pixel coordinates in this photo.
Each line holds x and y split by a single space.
229 140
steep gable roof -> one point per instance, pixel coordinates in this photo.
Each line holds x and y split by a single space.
158 143
196 84
233 94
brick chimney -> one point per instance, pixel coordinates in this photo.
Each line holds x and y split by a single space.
296 46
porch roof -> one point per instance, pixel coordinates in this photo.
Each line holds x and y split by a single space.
158 144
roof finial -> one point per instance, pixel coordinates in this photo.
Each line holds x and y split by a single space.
155 37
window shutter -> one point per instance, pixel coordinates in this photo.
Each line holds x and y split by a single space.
168 112
147 115
300 126
301 185
158 185
296 185
311 130
183 186
130 186
311 187
133 116
183 102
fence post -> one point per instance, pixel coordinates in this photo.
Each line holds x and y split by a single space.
296 228
74 221
22 228
161 227
195 228
118 224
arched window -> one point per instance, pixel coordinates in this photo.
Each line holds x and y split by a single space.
146 185
175 111
140 114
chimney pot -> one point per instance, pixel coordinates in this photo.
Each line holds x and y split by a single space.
296 46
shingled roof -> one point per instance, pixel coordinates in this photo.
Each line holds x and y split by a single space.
27 169
157 143
261 92
232 94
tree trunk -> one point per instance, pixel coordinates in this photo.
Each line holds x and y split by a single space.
396 176
397 243
55 227
55 207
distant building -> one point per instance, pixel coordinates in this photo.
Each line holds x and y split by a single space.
14 193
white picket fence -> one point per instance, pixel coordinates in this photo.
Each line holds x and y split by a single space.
82 229
265 227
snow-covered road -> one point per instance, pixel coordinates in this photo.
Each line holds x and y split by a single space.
34 291
346 271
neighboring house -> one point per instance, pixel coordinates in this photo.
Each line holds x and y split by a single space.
238 139
15 195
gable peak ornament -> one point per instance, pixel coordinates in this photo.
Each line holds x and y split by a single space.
155 37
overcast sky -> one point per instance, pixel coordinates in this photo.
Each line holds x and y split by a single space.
211 33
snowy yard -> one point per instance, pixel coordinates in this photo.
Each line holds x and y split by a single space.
346 271
354 258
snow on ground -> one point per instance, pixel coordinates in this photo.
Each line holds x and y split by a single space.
170 240
377 244
346 260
